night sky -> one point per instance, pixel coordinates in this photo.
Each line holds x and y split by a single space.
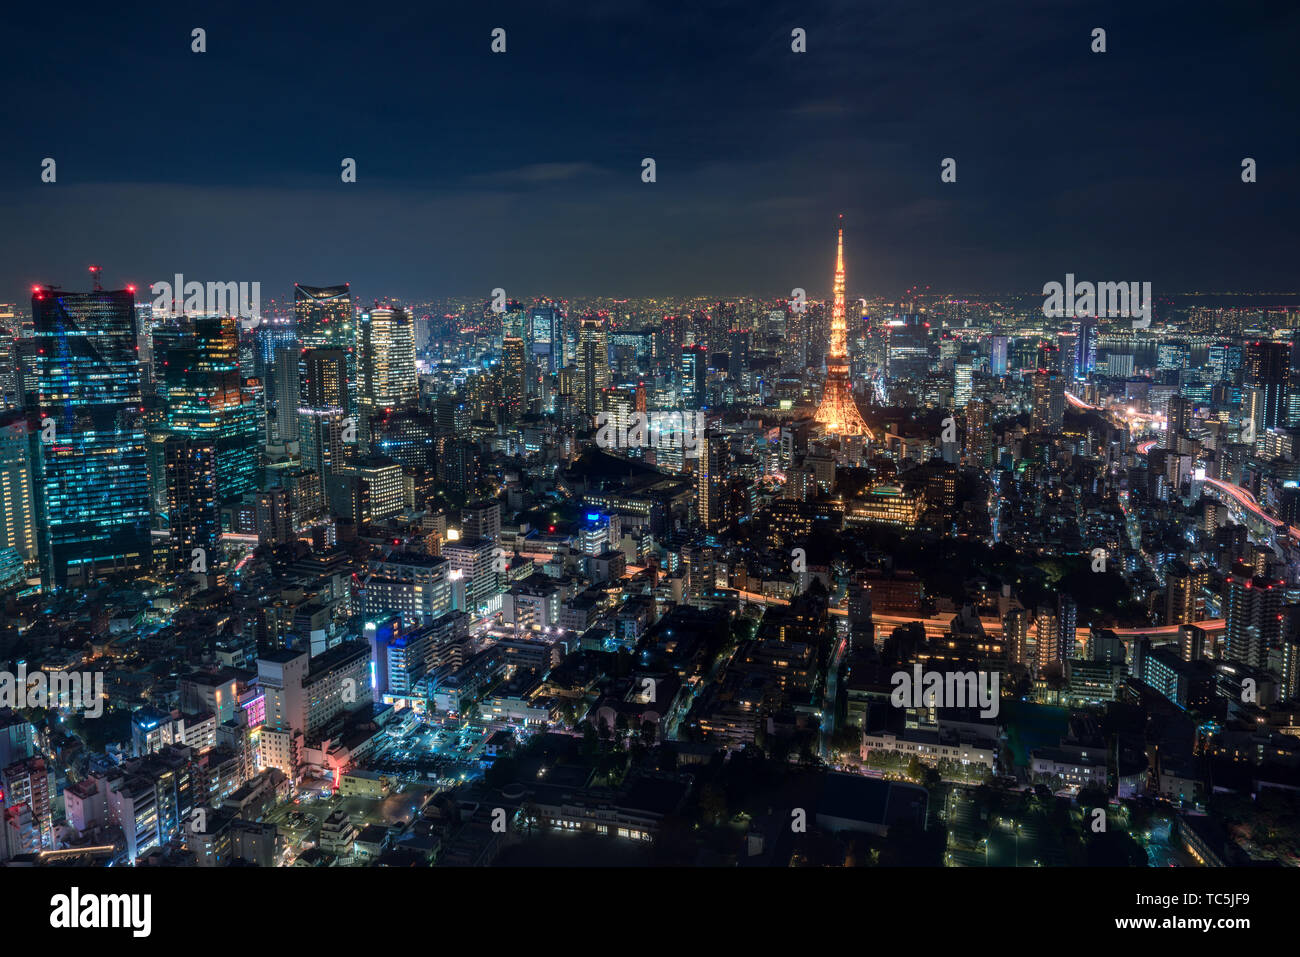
523 170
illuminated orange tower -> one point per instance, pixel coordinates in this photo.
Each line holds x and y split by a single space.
838 413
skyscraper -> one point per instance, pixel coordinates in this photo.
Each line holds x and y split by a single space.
593 364
695 361
326 319
365 490
192 515
963 380
1254 616
407 437
271 335
738 354
385 363
979 432
998 355
838 412
1223 361
323 409
1267 367
27 783
17 506
546 335
515 321
1086 357
204 391
1067 355
91 484
144 331
711 480
285 391
273 338
324 316
514 381
1048 413
1180 417
1015 632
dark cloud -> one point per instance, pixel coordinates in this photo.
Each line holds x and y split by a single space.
523 170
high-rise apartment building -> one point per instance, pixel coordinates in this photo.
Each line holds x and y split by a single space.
17 504
1184 603
27 783
1253 608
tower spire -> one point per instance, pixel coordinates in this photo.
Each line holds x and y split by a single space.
838 412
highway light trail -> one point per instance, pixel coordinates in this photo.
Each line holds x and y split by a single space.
1248 502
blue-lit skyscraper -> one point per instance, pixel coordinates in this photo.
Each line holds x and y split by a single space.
92 481
998 355
200 380
1086 359
271 336
546 337
909 347
695 363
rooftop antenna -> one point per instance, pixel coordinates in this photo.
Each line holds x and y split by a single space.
95 271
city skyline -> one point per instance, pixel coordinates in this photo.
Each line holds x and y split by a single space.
394 531
713 440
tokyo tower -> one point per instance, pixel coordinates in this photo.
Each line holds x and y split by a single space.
838 413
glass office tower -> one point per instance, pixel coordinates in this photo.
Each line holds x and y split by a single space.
203 389
325 317
92 483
